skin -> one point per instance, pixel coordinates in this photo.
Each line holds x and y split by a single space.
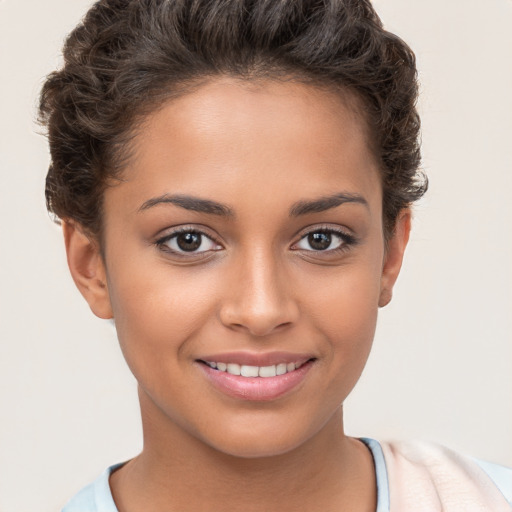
259 286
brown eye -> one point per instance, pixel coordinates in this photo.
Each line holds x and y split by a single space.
319 241
188 241
323 240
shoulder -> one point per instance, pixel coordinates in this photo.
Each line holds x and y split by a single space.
424 476
96 497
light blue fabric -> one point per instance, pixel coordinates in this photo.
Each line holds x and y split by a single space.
500 475
381 474
97 497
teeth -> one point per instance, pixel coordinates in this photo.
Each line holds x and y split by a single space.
268 371
249 371
254 371
233 368
281 369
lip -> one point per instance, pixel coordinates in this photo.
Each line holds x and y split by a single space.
256 388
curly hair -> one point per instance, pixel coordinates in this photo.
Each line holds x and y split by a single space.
127 57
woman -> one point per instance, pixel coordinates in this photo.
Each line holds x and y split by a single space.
234 181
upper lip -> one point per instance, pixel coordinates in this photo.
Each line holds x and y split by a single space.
257 359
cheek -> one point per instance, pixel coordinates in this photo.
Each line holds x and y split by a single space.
156 311
346 301
345 313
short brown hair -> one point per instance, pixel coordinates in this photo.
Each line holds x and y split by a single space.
128 56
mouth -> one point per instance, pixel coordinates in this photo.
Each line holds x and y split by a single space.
244 370
254 382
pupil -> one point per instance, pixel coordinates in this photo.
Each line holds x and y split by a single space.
319 241
188 241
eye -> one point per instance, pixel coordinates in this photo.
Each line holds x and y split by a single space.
324 240
188 241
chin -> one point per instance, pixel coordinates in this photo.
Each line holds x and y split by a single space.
259 438
257 447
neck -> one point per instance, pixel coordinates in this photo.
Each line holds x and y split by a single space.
329 471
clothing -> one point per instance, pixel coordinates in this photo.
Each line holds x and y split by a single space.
411 477
422 477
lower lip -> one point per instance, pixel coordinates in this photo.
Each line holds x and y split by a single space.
256 388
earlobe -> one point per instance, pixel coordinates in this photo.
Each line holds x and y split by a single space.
87 268
394 256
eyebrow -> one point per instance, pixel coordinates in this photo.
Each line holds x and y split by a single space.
325 203
208 206
195 204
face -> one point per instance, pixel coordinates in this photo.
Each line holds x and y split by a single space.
246 237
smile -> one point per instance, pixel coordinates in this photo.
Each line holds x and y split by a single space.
254 371
256 382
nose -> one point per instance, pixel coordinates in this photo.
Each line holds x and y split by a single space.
259 297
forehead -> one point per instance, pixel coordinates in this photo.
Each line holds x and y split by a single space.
253 138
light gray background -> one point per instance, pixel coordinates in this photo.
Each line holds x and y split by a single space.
440 369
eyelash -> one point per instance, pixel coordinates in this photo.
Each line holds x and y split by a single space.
347 241
161 242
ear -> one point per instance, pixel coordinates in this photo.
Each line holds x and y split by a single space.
394 256
87 268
